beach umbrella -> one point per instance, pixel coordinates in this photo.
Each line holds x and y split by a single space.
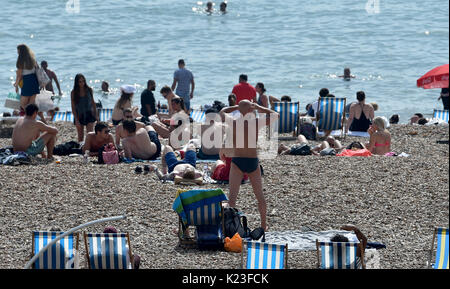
435 78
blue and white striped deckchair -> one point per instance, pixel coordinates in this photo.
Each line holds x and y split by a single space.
69 116
442 249
330 114
265 256
198 115
59 116
339 255
198 207
289 116
440 114
105 114
163 110
61 255
108 250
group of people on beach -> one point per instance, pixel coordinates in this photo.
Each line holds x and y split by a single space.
139 132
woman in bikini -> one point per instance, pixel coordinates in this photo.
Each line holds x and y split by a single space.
380 138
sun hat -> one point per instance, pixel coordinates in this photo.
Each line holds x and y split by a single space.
128 88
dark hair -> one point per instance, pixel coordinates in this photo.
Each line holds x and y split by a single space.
43 62
355 144
150 82
422 121
165 89
129 125
330 95
419 115
261 85
25 59
30 109
76 87
360 95
394 119
339 238
243 77
324 92
99 126
286 98
180 101
181 61
232 95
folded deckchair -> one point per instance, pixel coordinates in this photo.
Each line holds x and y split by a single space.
105 114
108 250
339 255
330 114
441 114
441 256
289 117
59 116
61 255
264 256
199 208
198 115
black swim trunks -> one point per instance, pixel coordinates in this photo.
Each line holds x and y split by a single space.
155 139
246 165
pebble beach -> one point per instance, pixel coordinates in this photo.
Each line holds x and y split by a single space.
396 201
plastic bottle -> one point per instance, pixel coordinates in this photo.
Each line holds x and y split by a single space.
86 157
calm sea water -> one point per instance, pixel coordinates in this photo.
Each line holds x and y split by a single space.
294 47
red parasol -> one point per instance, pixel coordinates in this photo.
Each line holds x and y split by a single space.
435 78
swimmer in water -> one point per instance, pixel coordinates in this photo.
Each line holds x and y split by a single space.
347 74
209 7
223 7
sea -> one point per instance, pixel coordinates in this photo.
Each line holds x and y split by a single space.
294 47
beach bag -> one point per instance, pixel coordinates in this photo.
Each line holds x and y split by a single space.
235 222
209 237
44 100
108 155
233 244
308 130
42 77
12 101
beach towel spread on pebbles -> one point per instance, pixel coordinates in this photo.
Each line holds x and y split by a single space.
305 241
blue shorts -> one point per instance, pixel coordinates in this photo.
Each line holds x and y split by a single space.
190 157
36 147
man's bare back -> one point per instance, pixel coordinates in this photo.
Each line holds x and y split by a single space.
139 145
26 130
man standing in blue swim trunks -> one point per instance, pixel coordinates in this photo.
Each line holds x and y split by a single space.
244 155
32 136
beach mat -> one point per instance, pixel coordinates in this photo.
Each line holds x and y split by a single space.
350 133
305 241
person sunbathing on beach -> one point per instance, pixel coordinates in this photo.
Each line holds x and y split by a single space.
330 146
32 136
361 238
380 138
121 133
97 139
172 167
137 143
244 159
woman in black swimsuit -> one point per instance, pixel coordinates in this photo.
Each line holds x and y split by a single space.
83 106
365 111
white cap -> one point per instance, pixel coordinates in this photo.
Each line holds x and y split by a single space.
128 88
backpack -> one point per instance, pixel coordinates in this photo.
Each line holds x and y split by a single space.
108 154
308 130
235 222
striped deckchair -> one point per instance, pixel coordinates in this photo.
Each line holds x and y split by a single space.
339 255
264 256
105 114
441 259
440 114
108 250
61 255
289 117
69 116
59 116
198 115
197 208
330 114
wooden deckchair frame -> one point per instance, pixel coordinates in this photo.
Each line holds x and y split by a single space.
75 235
86 244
